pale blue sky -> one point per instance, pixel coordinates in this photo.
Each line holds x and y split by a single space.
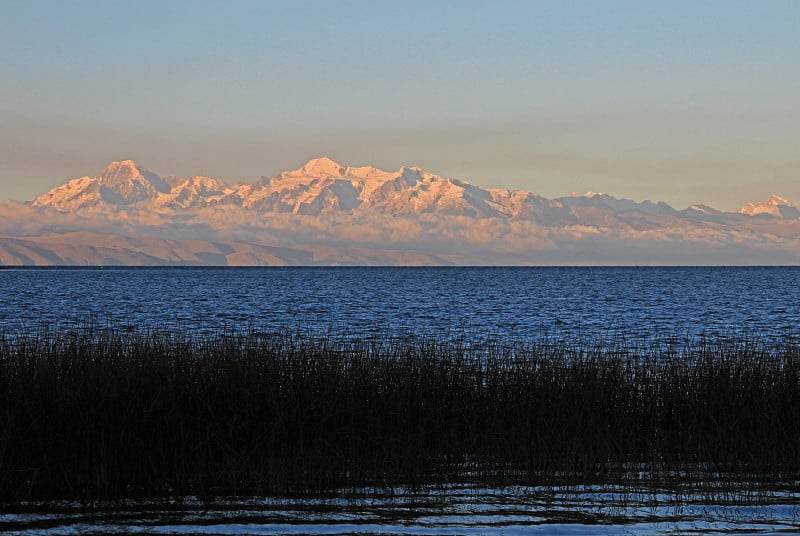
681 101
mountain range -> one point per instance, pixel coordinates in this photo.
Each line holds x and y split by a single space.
328 213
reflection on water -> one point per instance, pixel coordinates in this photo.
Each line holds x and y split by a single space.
454 510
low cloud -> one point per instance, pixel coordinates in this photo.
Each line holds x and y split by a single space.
446 238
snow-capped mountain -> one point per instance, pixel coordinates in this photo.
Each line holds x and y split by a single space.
328 213
121 183
323 186
774 206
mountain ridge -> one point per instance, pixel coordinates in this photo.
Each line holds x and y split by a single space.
322 185
774 206
365 215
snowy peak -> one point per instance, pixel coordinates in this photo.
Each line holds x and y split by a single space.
127 172
72 196
323 186
775 206
120 184
366 172
324 167
320 167
124 183
704 209
778 200
117 172
197 192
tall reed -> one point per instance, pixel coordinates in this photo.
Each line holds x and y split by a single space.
102 413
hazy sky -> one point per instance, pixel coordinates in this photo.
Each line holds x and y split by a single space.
683 101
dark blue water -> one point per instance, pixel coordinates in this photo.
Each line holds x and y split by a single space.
451 510
523 303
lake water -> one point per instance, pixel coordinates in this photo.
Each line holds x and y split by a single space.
519 303
456 510
570 304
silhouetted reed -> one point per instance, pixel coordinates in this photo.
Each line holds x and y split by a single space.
102 413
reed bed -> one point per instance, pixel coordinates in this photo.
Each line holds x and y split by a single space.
94 413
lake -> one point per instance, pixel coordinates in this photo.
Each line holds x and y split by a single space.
561 304
456 510
510 303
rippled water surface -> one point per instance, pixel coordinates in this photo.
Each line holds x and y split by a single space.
457 510
519 302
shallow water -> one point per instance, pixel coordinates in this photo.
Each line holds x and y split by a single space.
455 510
519 303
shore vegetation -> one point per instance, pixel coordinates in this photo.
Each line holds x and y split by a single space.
102 413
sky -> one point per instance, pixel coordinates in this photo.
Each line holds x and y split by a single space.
683 101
